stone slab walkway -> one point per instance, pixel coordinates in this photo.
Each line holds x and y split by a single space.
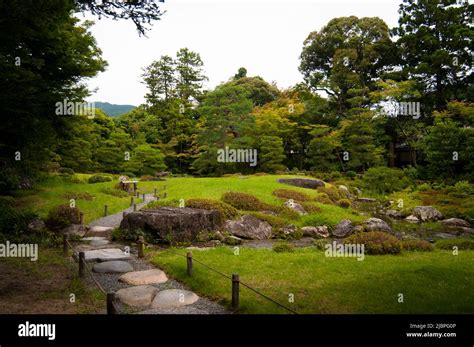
139 286
115 219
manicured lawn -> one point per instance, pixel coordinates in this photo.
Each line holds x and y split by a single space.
53 192
431 282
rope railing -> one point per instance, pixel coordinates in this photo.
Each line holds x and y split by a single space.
234 278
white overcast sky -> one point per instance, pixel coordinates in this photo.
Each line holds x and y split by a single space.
266 37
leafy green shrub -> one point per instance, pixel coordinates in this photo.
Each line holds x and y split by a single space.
288 213
464 187
279 234
128 235
282 247
323 199
416 245
351 174
424 187
246 202
321 244
383 180
459 243
226 211
291 194
13 221
334 175
344 203
62 216
332 193
115 192
66 170
78 196
376 242
99 178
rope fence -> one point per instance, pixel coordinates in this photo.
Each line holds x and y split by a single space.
234 278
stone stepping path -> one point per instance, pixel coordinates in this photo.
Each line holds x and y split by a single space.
137 296
116 266
137 283
106 254
114 220
173 298
137 278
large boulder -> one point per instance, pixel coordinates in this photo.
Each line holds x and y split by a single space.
343 229
456 223
302 182
249 227
427 213
376 224
172 223
295 207
315 232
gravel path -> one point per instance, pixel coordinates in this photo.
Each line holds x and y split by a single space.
114 220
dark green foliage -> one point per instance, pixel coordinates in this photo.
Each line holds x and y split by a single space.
13 222
62 216
416 245
385 180
376 242
344 203
99 179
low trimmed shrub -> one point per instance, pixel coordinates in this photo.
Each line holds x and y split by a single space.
344 203
323 198
275 221
351 174
283 247
459 243
12 220
384 180
291 194
311 208
226 211
62 216
416 245
79 196
163 203
376 242
332 192
99 179
246 202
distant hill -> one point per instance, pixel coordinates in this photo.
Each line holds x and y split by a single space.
113 110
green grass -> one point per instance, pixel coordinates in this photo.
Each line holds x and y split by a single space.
431 282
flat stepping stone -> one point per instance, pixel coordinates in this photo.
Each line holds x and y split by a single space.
176 310
137 278
100 229
173 298
93 238
99 242
106 254
116 266
139 296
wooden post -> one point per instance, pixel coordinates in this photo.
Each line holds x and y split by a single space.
138 193
165 195
110 303
141 247
131 201
65 248
155 193
189 257
81 218
143 196
105 210
82 265
235 291
134 207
